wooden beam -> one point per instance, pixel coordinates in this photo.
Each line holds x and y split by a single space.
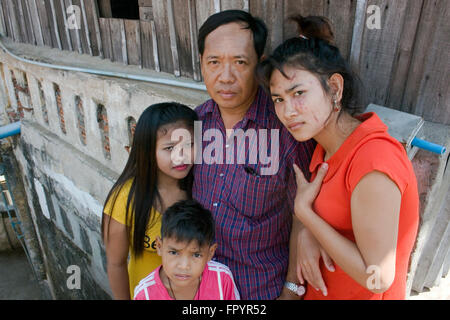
147 59
3 21
23 24
358 31
55 24
145 3
145 13
14 23
133 39
155 47
76 31
106 38
173 38
45 25
95 11
194 40
105 10
162 30
64 15
118 40
36 22
86 27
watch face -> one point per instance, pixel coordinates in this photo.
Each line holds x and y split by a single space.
300 290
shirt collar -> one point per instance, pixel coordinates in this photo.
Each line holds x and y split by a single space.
371 124
258 112
260 109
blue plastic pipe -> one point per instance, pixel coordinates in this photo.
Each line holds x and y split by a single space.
10 130
429 146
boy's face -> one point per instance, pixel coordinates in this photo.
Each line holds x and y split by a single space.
184 262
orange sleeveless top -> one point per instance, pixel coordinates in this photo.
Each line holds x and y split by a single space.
367 149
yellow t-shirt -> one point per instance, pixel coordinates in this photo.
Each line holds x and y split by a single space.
138 267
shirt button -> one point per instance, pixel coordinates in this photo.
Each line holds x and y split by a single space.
215 204
227 145
221 175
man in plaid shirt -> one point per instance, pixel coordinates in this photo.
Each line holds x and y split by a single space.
252 201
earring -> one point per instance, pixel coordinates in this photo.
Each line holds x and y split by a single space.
336 108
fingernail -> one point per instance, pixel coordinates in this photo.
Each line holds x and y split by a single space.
325 166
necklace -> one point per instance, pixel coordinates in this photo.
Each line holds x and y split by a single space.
196 291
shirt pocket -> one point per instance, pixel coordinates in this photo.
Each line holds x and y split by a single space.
257 196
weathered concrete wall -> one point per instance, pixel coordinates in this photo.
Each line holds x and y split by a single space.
70 151
428 263
8 239
22 236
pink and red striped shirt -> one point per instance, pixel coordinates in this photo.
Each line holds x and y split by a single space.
217 283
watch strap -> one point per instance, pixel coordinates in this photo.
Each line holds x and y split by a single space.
296 288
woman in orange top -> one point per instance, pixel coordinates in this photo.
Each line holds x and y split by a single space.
362 204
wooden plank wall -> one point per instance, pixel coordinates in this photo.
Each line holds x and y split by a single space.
404 65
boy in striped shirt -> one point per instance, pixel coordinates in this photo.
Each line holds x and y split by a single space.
186 247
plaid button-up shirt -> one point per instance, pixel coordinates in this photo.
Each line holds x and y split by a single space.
252 211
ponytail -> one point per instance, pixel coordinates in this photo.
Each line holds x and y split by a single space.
314 27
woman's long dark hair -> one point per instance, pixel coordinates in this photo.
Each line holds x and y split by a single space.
141 168
314 51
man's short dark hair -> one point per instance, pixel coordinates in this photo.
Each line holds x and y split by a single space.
187 220
256 26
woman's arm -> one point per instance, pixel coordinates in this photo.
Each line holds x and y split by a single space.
309 253
117 246
375 206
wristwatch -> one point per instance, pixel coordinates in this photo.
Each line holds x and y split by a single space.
296 288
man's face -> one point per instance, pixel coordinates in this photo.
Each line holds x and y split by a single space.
228 66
